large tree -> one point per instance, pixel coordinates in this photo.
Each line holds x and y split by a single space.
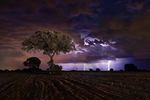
51 43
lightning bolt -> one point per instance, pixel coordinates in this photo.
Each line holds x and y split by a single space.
108 65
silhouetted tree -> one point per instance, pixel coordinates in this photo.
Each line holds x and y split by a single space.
32 62
120 70
35 70
111 69
17 70
130 67
50 43
55 69
97 69
6 70
90 69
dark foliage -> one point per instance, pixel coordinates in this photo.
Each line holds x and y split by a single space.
111 69
32 70
90 70
97 69
6 70
29 70
73 70
130 67
55 69
17 70
32 62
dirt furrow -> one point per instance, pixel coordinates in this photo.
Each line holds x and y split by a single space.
7 90
5 86
82 92
65 92
94 90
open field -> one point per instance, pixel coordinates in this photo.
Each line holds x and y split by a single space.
75 86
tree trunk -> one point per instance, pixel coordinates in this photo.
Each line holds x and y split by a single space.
53 69
51 64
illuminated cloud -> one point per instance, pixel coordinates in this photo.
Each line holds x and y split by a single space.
120 28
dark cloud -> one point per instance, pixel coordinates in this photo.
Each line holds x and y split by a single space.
124 21
131 35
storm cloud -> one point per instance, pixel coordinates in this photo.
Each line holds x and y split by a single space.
125 22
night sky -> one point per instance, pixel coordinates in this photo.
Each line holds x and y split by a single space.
104 30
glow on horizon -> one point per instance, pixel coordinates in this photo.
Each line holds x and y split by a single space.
117 64
109 64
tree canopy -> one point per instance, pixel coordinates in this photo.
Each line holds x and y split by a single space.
32 62
50 42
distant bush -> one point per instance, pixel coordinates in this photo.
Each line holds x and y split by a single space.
130 67
17 70
73 70
6 70
90 70
111 69
97 70
33 70
32 62
55 69
120 70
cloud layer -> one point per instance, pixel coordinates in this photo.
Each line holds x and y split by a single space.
127 22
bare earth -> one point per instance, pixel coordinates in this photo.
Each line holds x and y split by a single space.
75 86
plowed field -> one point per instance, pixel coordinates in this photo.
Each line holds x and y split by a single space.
75 86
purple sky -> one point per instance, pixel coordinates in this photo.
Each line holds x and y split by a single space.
102 29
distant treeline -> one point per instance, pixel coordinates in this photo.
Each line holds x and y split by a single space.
24 70
127 68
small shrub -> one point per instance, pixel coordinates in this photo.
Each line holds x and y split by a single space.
111 69
55 69
97 70
90 70
130 67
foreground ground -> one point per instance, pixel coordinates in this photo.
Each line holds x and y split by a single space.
75 86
